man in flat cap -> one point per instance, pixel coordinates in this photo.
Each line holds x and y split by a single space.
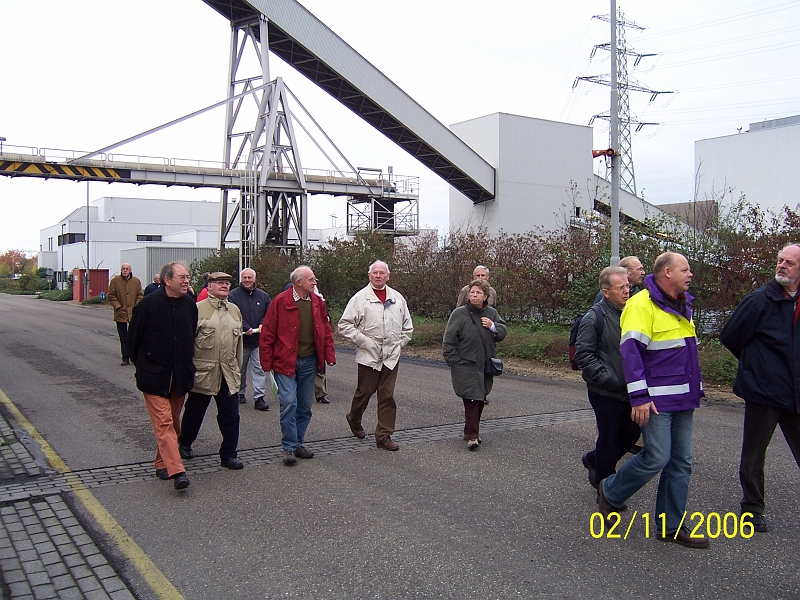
217 360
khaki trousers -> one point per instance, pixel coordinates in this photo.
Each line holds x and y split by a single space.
369 382
165 415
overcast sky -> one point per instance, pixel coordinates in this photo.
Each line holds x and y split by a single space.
87 73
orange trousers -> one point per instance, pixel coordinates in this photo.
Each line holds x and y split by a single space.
165 415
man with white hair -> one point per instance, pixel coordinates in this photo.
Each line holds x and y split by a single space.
479 272
253 302
377 321
763 333
295 344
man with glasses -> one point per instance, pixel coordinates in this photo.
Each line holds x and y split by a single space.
162 346
597 354
217 360
295 344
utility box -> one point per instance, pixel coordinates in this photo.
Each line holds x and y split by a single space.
98 282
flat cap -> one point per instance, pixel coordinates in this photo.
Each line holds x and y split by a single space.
219 276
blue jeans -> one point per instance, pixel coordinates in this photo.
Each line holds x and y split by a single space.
667 448
297 397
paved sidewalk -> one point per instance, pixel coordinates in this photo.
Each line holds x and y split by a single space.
44 550
46 553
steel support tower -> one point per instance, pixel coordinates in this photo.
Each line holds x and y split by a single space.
619 63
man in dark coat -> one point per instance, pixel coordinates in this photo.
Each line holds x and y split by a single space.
162 347
253 302
153 285
601 366
763 333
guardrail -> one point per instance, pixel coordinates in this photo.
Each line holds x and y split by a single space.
391 183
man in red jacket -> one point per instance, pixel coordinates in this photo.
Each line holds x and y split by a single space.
295 344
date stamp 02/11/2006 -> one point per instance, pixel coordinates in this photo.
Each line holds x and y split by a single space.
712 525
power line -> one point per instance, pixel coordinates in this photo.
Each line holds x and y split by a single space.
751 52
722 21
736 40
740 83
734 106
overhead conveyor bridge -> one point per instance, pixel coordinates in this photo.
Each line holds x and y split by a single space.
202 174
307 44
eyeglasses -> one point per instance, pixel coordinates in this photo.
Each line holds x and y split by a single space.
619 288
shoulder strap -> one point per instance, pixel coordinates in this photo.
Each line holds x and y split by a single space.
599 321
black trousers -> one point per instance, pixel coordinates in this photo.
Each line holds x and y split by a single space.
122 332
194 411
759 426
616 434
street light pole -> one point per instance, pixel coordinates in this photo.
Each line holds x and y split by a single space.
86 281
62 255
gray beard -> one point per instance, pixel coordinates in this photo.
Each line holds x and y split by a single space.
784 280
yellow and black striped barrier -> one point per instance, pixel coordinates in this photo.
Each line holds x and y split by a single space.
61 171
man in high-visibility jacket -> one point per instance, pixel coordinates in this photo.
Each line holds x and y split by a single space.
662 371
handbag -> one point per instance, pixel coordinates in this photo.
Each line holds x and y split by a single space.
493 366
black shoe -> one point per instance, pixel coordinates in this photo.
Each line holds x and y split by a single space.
288 458
162 474
186 452
323 400
590 468
303 452
758 521
125 362
232 463
181 481
259 404
684 538
242 399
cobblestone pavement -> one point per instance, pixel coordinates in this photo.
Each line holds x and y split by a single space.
45 552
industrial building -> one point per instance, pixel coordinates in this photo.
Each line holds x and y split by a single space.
536 162
146 233
759 163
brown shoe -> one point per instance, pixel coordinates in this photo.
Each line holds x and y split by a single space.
357 431
386 443
604 506
684 538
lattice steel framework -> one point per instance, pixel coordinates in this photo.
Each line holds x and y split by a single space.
265 147
624 85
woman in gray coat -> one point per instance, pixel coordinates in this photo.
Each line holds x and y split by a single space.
469 340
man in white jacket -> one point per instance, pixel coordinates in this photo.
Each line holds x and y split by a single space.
377 321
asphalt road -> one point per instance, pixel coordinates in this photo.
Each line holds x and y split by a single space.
429 521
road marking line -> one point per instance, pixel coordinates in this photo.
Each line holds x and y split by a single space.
160 585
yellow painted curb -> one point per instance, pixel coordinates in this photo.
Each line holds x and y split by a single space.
160 585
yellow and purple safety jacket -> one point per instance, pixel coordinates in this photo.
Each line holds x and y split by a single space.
659 352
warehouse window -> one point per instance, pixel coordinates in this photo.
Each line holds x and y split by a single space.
148 238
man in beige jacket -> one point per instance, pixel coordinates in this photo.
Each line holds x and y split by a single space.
217 360
377 321
124 292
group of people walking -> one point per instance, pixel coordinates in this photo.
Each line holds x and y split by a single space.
637 349
203 349
638 355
